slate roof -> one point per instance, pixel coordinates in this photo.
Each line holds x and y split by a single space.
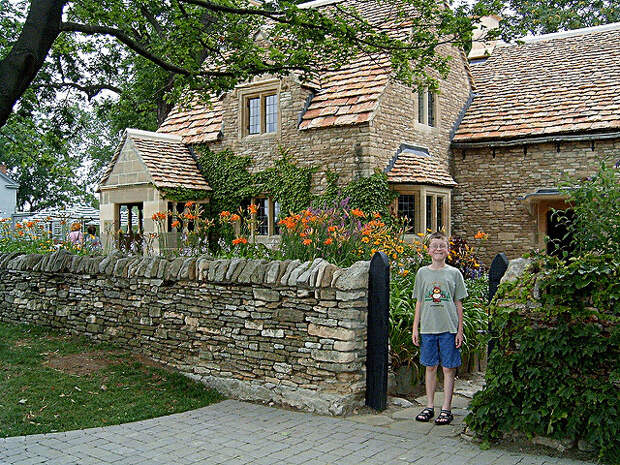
168 160
555 84
414 165
197 124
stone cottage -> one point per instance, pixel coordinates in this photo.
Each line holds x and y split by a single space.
484 153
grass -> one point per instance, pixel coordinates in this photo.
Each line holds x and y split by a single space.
112 387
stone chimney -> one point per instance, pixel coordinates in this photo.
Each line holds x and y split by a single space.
481 46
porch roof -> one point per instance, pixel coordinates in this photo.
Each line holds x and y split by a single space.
167 159
414 165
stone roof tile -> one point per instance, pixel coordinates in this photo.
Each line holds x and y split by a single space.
413 165
168 160
556 84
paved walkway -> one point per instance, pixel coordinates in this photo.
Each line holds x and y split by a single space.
235 433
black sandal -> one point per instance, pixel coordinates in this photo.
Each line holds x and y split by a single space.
426 414
445 417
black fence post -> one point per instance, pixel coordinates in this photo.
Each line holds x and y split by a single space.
499 265
378 321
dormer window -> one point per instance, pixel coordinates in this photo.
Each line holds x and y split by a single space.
261 113
427 107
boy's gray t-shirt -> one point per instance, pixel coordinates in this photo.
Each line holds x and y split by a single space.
437 290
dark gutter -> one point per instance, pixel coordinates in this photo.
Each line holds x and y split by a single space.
536 140
461 114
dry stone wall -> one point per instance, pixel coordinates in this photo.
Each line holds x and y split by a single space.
286 331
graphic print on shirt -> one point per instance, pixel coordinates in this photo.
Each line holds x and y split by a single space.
437 295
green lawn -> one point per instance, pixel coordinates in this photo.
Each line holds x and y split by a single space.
52 382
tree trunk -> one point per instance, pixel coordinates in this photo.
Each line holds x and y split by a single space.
21 65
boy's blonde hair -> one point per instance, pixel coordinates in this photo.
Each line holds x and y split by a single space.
76 227
438 235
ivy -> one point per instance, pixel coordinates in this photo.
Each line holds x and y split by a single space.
287 183
370 194
183 194
554 370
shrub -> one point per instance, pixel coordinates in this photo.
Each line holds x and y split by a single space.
554 371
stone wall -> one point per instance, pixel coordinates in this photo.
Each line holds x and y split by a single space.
490 185
396 121
287 332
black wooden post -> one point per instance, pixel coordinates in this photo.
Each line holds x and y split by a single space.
499 265
378 321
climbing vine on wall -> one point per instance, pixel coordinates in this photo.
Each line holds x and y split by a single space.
287 183
183 194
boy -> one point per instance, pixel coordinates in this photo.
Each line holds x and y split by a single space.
438 325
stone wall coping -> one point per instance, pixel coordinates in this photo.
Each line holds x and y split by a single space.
289 273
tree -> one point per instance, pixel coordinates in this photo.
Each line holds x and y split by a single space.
522 17
212 44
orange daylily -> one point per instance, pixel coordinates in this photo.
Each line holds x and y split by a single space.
240 240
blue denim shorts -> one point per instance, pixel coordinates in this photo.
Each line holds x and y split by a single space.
439 349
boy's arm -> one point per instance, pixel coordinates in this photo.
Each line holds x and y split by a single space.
459 332
415 331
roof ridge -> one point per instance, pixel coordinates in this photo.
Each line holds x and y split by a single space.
564 34
158 136
317 3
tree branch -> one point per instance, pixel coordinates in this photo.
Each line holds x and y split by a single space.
91 29
90 90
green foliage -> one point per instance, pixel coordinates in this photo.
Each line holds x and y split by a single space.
37 398
286 183
595 202
555 369
183 194
520 17
228 176
370 194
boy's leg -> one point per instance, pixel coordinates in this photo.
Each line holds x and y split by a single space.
448 387
431 385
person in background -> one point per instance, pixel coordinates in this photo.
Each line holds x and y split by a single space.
76 237
91 239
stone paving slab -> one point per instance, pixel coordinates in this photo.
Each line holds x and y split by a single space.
239 433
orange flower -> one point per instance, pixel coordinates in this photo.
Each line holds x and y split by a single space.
225 214
189 216
328 241
331 228
30 224
481 235
365 239
189 204
302 234
18 226
176 224
253 209
357 212
234 217
376 215
307 241
159 216
240 240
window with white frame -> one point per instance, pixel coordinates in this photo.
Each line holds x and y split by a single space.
425 207
427 107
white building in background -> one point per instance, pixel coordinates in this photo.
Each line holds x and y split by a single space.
58 220
8 193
